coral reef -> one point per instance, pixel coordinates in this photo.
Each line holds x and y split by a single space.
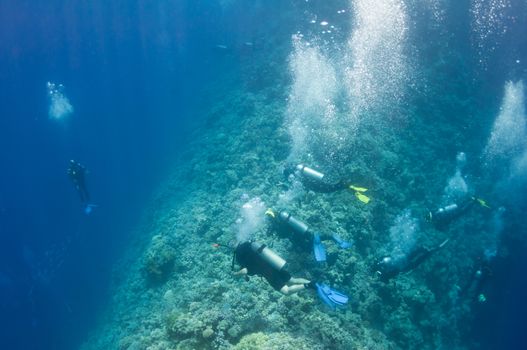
273 341
159 259
236 154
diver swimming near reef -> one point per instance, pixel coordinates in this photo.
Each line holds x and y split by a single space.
318 182
389 267
256 259
478 280
441 217
304 235
77 174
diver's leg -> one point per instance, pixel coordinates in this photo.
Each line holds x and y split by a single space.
86 194
288 290
81 194
295 280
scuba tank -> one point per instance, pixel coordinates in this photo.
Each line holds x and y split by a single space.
443 213
319 182
295 224
309 173
305 235
447 213
268 255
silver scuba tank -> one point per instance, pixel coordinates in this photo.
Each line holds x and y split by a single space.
310 173
443 212
449 208
295 224
268 255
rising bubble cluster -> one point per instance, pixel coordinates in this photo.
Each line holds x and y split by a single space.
59 105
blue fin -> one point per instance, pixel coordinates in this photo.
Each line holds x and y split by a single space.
342 243
318 248
330 297
337 297
89 208
322 293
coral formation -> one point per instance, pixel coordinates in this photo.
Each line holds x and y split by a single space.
159 259
240 149
273 341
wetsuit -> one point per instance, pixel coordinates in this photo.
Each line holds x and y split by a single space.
323 186
479 278
249 256
388 267
443 216
77 172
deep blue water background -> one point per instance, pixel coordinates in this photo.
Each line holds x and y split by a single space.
133 71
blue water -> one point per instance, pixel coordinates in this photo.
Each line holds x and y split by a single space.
134 72
133 80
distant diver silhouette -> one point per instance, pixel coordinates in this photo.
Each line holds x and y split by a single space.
77 174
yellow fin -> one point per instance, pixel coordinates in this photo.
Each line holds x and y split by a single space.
358 189
270 213
363 198
482 203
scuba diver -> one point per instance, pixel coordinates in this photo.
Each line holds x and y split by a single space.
76 173
478 280
389 267
318 182
257 259
443 216
304 234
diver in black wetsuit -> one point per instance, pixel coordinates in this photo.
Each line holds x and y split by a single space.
441 217
389 267
314 180
303 235
256 259
478 280
318 182
77 173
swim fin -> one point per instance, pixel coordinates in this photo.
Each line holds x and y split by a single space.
89 208
481 202
318 248
330 297
358 189
359 193
363 198
342 243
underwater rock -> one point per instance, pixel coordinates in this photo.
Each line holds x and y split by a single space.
129 343
180 326
207 333
158 261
